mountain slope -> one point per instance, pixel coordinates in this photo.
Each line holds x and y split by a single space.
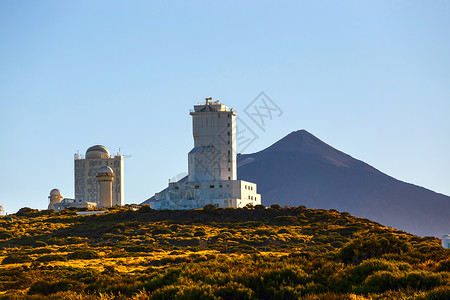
300 169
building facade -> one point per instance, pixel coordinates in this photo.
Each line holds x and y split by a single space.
212 171
86 182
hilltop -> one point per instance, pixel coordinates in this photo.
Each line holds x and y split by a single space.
259 253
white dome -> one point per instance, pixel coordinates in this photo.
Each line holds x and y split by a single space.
97 151
105 169
446 241
55 192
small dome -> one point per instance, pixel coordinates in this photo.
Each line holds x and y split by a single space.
105 169
97 151
55 192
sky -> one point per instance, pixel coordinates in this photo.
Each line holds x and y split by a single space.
370 78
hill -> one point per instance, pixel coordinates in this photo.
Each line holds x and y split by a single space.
273 253
300 169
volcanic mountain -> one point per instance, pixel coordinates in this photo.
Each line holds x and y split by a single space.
300 169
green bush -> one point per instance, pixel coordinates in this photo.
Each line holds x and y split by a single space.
382 281
47 288
369 247
83 254
16 259
145 209
209 208
260 207
51 257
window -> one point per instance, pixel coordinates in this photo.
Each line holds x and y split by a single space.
228 124
228 133
229 151
229 169
229 116
220 185
197 187
229 160
228 142
229 178
211 186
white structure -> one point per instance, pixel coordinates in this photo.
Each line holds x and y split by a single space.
212 177
86 183
54 198
2 210
67 202
105 176
446 241
58 203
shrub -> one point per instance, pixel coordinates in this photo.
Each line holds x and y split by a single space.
161 230
51 257
83 254
4 235
47 288
145 208
200 233
260 207
209 208
16 259
283 230
381 281
275 206
40 244
440 293
369 247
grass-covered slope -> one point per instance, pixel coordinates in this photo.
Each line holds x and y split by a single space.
273 253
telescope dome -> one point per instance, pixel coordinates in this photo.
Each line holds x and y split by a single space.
97 151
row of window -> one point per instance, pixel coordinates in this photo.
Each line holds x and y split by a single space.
248 187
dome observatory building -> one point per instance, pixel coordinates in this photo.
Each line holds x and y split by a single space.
212 172
98 174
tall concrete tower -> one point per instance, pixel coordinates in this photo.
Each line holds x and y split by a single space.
105 176
212 177
55 197
214 154
86 186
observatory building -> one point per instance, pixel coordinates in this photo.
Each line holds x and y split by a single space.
57 202
212 172
90 175
446 241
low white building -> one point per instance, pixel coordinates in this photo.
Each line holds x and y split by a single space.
212 177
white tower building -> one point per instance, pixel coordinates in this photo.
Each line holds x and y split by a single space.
212 177
55 197
86 185
105 176
214 154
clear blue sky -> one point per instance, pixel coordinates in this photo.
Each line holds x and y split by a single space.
371 78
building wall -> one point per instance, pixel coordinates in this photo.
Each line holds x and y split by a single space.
86 184
214 154
222 193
